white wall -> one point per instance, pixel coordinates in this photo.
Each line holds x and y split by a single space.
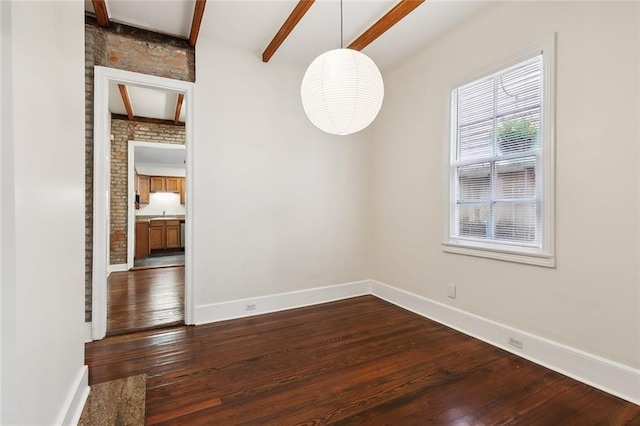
160 202
590 301
278 205
44 273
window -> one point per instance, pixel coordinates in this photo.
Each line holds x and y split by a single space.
501 163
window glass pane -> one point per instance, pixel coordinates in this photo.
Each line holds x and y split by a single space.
516 178
515 221
473 220
518 133
475 102
520 88
476 141
474 182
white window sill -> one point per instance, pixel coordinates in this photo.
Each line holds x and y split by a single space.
546 260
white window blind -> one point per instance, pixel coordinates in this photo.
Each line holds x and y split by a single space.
495 164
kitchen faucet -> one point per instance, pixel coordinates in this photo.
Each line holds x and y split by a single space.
163 213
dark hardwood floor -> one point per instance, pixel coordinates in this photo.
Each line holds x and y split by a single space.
143 299
355 361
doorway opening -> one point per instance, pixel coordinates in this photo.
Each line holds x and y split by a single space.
157 214
124 298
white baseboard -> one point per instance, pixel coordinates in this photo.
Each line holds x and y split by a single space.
121 267
76 399
606 375
88 332
279 302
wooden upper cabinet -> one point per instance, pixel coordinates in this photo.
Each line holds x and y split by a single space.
143 189
172 184
158 184
165 184
183 191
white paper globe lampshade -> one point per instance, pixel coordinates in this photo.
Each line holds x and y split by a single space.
342 91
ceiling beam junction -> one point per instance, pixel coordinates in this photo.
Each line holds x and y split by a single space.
296 15
391 18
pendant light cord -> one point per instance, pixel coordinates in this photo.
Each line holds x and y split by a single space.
341 28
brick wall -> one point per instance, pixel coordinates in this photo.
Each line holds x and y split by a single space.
123 131
131 49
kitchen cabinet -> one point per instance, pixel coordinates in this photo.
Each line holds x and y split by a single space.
142 240
143 189
172 234
164 184
164 234
156 234
172 184
157 184
183 191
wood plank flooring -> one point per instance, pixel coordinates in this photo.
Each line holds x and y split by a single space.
143 299
355 361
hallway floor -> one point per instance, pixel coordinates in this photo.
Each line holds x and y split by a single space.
143 299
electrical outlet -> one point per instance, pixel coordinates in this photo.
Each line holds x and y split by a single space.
451 291
251 307
517 343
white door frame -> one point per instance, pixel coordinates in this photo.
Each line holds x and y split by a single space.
103 76
131 212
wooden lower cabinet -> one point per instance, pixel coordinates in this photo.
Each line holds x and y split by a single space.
164 234
156 234
142 241
172 234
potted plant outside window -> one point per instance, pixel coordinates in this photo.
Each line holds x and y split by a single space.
517 135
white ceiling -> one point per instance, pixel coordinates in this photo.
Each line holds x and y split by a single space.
171 17
146 102
251 24
160 161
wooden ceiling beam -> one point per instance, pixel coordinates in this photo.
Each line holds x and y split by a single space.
124 92
102 15
392 17
198 13
147 120
296 15
176 117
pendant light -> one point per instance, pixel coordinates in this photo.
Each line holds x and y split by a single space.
342 90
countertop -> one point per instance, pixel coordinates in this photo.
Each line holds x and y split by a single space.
150 218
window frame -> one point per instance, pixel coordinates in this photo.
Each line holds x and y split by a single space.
545 255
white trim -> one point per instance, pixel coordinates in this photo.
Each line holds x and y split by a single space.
121 267
87 332
279 302
546 255
131 211
101 140
76 399
609 376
